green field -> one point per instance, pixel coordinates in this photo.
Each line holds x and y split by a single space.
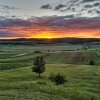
18 82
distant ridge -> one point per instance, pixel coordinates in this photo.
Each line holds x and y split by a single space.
68 40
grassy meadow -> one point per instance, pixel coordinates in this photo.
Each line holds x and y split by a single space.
18 82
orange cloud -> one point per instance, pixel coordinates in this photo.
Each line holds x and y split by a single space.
45 32
47 28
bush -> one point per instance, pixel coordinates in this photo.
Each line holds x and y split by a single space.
1 50
37 52
57 78
91 62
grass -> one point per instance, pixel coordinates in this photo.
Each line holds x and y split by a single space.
83 83
18 82
12 60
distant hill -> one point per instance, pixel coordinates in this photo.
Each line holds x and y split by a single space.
51 41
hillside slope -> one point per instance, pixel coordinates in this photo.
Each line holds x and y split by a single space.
15 60
22 84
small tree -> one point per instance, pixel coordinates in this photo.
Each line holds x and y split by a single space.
39 65
57 78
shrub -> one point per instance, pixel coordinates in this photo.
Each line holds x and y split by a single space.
1 50
57 78
91 62
37 51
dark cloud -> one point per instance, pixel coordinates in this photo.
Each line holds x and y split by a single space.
72 9
96 4
69 16
90 11
78 7
98 12
8 34
47 6
15 22
74 1
58 7
88 6
89 1
69 22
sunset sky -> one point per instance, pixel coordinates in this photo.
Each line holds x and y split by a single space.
49 18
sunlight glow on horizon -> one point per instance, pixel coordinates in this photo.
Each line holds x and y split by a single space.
48 33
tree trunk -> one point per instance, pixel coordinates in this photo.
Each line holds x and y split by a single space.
57 83
39 74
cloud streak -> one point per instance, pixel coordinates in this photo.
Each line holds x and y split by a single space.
8 35
47 6
8 7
